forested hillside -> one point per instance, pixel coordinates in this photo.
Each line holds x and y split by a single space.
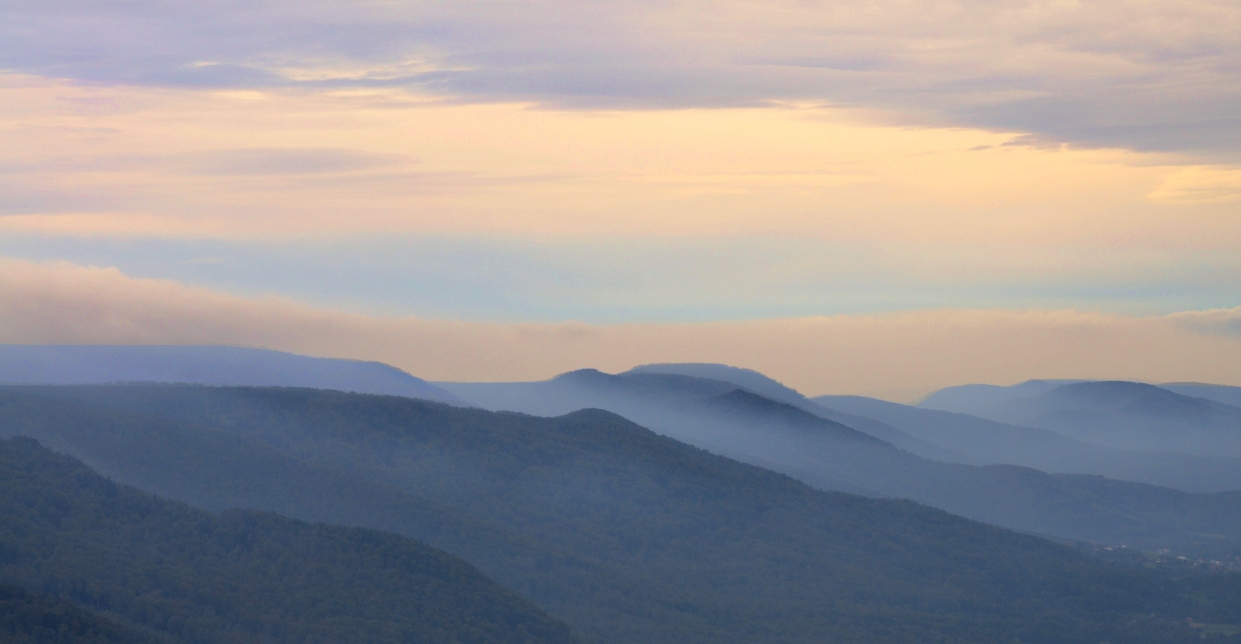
33 618
191 576
628 535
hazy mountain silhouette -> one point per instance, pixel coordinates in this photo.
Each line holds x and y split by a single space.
993 442
630 536
1219 393
967 398
1128 415
702 412
747 378
205 365
758 383
960 438
187 575
829 455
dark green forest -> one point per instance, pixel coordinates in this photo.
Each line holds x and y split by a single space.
627 535
187 575
29 618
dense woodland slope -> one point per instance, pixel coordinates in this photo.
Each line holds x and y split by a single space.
628 535
186 575
36 618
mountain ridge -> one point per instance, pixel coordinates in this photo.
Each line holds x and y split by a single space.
720 550
994 442
205 365
1128 415
1074 506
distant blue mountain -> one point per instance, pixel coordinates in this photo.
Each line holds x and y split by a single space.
965 399
630 537
1127 415
1218 393
959 438
205 365
993 442
803 440
754 381
768 387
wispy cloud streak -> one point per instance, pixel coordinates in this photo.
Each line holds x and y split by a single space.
1146 75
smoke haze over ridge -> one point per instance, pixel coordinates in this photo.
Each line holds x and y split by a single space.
898 356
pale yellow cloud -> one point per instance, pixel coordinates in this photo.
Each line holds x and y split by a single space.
1139 74
134 161
899 356
1199 185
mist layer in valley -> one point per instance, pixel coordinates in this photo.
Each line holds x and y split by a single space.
1024 478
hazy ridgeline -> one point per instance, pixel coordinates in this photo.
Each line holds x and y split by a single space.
924 430
972 398
1127 415
77 364
798 439
962 438
989 441
627 535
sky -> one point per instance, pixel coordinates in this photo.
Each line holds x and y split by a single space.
879 198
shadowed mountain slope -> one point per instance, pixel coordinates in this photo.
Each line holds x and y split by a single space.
204 365
217 469
994 442
34 618
191 576
699 547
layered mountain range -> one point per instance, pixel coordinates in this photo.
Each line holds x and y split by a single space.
671 503
1182 419
968 466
